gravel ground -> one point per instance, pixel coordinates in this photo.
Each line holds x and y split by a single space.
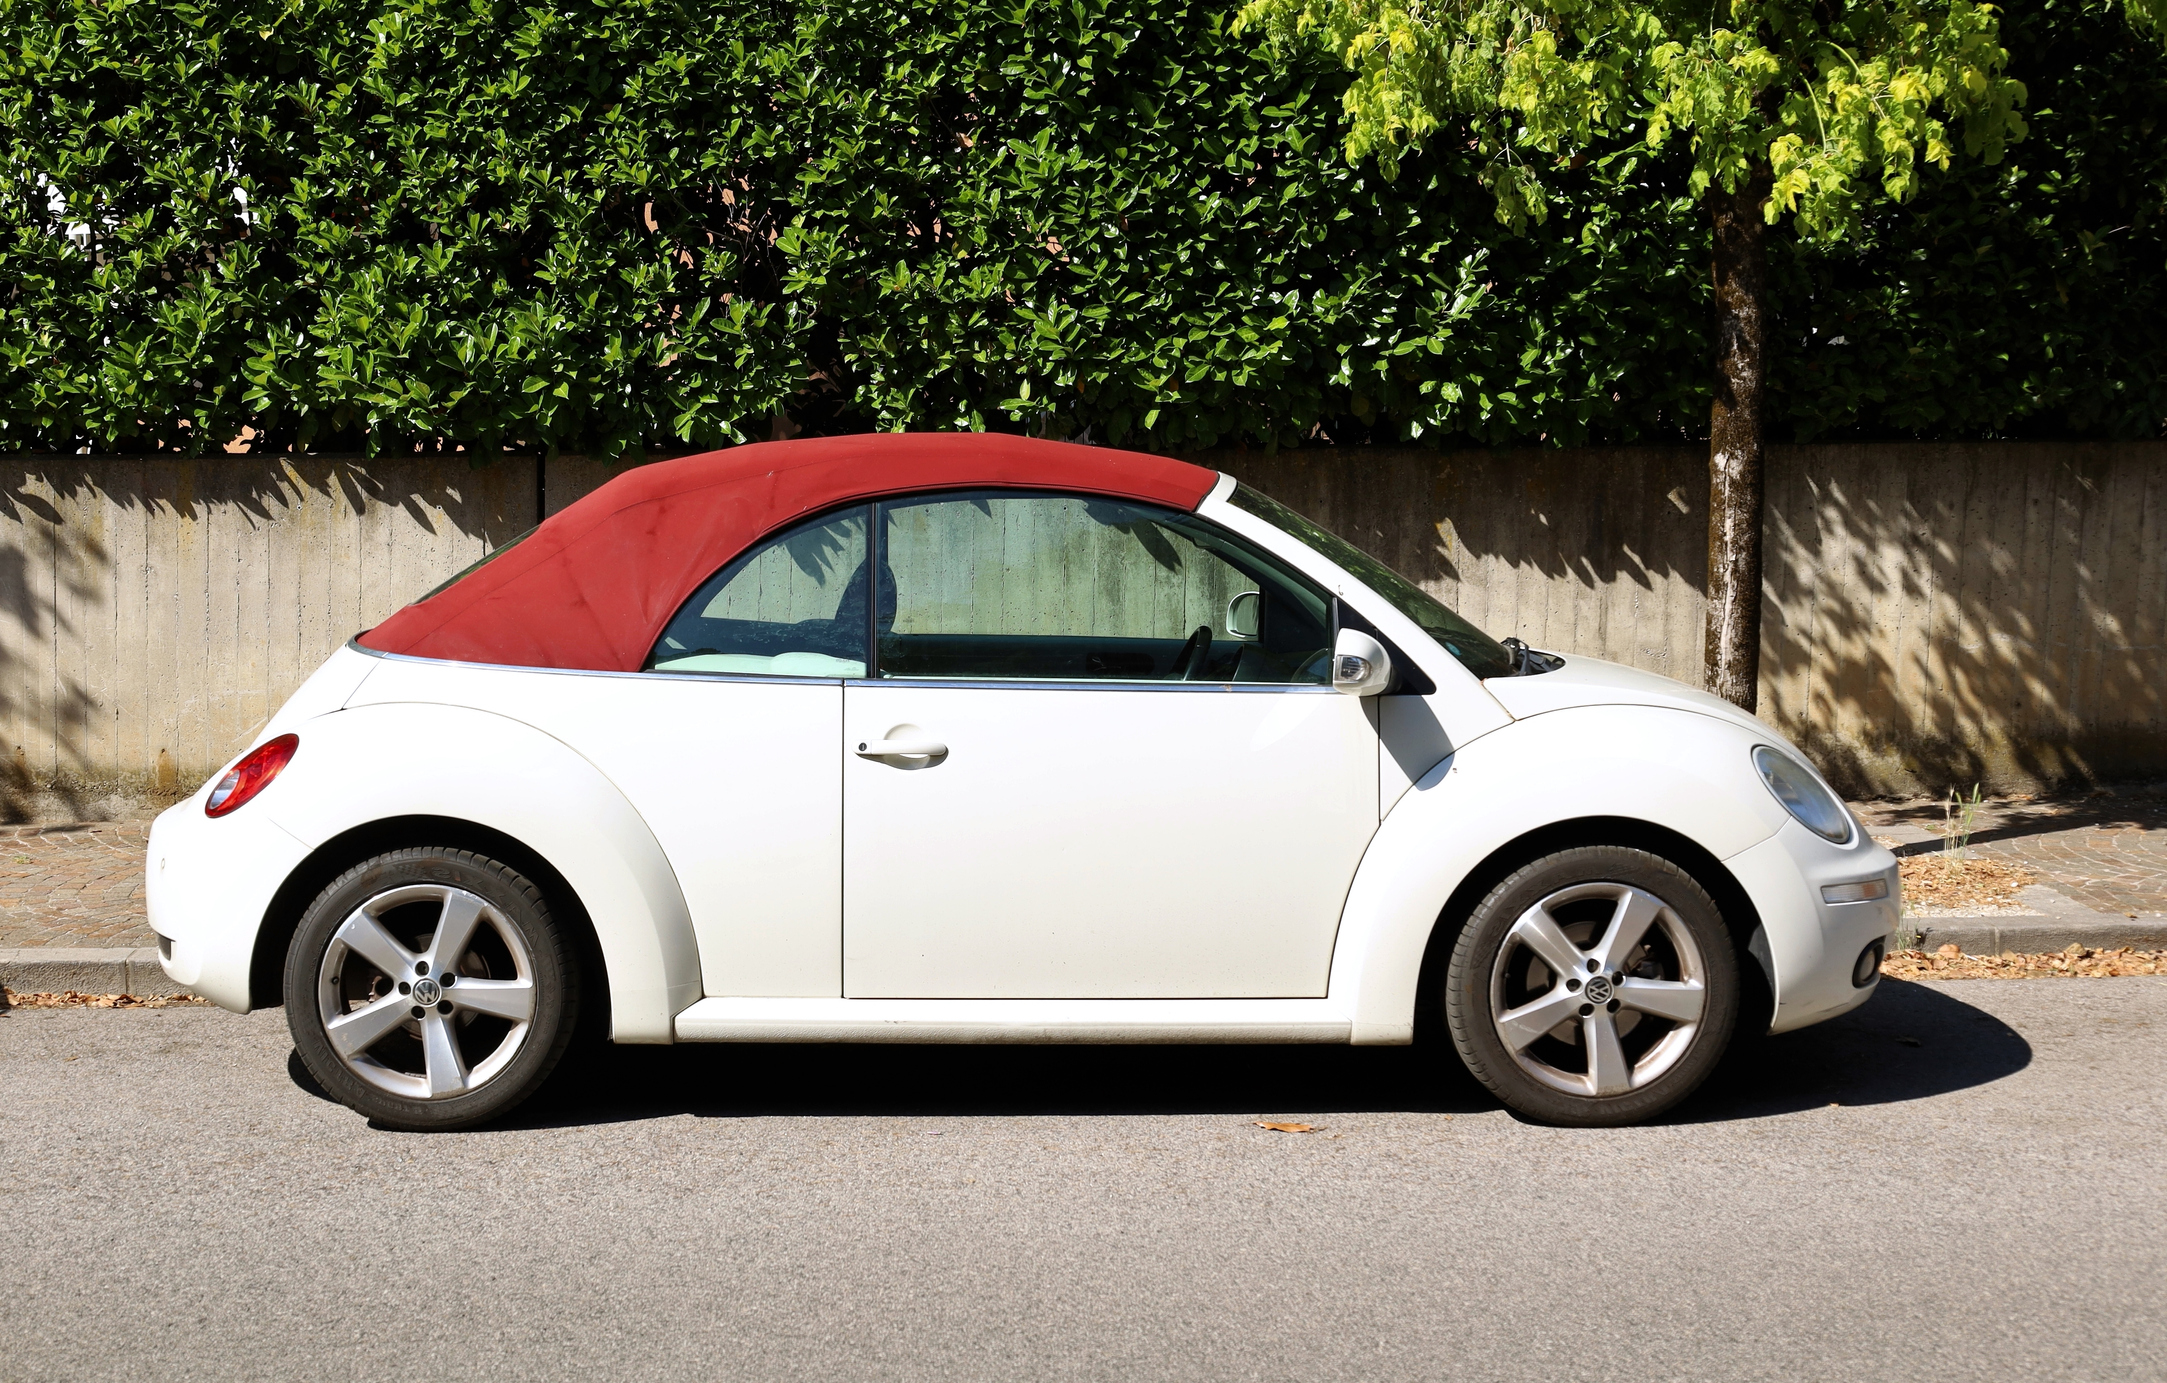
1959 1181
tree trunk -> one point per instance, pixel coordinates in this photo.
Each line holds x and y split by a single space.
1733 639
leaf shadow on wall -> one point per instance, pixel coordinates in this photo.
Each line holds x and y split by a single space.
1935 615
154 610
1950 615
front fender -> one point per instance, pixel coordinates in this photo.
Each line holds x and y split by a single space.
396 759
1676 769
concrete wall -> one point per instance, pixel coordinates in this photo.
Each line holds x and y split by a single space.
153 611
1935 615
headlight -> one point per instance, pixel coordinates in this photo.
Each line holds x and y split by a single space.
1802 795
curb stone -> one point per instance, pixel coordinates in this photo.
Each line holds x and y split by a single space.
1990 936
2054 923
86 970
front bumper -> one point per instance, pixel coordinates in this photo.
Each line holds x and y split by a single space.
1812 944
207 885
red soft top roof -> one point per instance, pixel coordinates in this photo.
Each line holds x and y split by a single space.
592 587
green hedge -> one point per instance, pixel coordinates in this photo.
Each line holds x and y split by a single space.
615 224
2024 300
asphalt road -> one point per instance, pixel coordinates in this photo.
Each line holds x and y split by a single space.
1985 1203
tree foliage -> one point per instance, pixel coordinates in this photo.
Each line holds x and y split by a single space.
620 223
1842 101
614 224
2017 300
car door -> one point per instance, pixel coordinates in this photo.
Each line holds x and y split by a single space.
1098 757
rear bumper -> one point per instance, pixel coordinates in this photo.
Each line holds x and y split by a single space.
207 885
1813 945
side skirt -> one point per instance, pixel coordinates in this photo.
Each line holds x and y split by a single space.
1014 1020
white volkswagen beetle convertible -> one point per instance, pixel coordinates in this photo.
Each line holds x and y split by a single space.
956 738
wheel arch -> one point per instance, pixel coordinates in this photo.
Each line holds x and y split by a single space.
307 881
1740 916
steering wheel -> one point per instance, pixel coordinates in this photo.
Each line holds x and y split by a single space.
1189 663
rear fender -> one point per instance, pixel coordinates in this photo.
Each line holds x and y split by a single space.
403 759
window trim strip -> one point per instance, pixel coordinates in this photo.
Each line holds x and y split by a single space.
764 678
1110 684
772 679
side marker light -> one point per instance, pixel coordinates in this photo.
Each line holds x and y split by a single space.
1864 891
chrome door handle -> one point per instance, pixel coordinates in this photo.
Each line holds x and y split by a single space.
902 747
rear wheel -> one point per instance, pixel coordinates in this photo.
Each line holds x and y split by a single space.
1596 986
430 988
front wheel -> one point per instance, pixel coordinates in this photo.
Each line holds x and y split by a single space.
1597 986
430 989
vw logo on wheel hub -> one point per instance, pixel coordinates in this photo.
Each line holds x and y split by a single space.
426 992
1598 990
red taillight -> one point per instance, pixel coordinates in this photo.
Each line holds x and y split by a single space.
251 775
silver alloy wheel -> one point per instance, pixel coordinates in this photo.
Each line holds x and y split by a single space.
433 998
1600 989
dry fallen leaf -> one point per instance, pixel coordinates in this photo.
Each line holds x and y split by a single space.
2076 960
1287 1128
1938 882
10 998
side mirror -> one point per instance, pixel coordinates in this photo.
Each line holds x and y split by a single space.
1360 666
1245 614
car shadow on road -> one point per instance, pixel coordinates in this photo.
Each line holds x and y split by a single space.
1911 1042
754 1080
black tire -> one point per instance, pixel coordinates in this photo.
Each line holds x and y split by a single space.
1664 1035
499 1036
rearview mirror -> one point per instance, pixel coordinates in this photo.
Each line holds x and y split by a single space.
1360 666
1245 614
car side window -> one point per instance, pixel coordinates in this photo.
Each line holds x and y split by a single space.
794 606
1004 586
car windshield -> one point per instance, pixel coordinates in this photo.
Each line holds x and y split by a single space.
1477 651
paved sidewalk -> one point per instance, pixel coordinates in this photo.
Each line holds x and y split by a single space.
2105 854
74 886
